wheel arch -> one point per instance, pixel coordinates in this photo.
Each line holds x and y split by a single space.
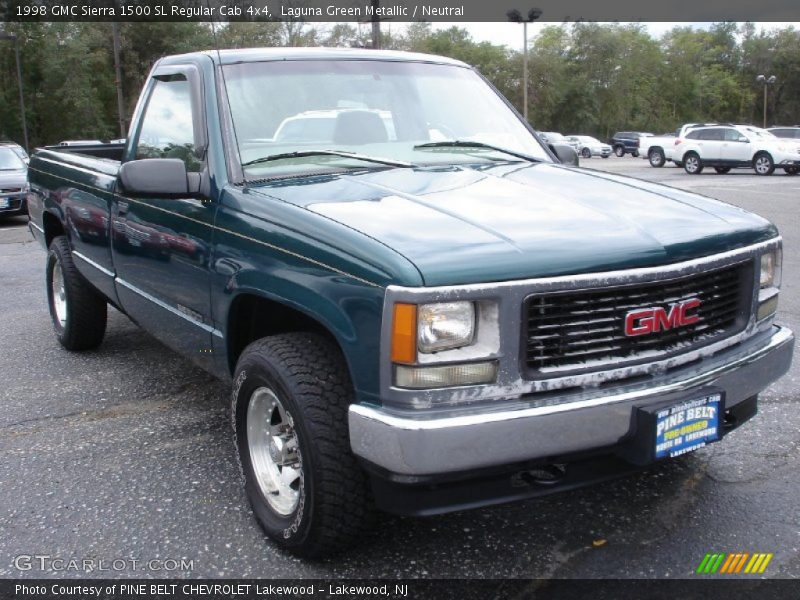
52 226
253 313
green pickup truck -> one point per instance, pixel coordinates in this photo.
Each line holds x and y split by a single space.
420 306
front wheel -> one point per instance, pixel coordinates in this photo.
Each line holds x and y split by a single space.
791 170
722 170
692 164
290 401
656 157
763 164
78 312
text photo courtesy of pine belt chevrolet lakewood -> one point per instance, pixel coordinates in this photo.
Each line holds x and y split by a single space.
420 306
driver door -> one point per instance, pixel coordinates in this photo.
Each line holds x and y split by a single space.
161 246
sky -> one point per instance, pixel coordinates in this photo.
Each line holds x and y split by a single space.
510 34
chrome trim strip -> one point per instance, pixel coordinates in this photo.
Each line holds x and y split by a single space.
35 226
89 261
605 278
163 305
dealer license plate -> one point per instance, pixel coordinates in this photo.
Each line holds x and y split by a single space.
687 426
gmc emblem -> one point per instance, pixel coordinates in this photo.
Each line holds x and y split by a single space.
644 321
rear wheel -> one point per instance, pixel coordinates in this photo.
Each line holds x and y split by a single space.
635 154
692 163
763 164
586 153
656 157
791 170
290 401
722 170
78 311
619 151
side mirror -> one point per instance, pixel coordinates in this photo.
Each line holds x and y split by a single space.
155 177
743 139
566 154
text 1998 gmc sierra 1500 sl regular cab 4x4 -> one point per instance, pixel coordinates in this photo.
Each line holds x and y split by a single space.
419 307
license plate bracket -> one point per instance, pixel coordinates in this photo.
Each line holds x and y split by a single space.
681 424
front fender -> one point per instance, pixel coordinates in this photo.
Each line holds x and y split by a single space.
350 310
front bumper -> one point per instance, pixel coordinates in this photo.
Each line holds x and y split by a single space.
13 204
412 444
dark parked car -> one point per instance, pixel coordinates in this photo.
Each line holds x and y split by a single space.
626 142
13 183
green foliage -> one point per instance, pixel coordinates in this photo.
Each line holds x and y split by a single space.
583 78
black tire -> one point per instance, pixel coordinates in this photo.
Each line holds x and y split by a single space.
84 311
619 151
308 376
763 164
656 157
635 154
692 163
722 170
791 170
678 163
606 155
586 153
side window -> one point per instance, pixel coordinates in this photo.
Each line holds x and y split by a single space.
715 135
695 134
731 135
167 130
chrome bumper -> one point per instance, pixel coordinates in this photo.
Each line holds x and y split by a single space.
438 442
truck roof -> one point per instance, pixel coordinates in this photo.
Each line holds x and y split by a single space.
227 57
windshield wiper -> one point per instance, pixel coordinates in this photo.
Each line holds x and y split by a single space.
343 153
473 145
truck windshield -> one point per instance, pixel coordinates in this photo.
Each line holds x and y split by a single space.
384 109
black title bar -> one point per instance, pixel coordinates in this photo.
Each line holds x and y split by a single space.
399 10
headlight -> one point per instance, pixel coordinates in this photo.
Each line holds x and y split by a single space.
445 325
771 269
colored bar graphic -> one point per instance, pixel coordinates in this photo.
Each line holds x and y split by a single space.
741 562
729 562
703 564
717 563
732 563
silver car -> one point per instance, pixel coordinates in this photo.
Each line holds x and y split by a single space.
553 137
13 183
587 146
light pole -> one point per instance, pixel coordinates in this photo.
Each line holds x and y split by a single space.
13 36
767 81
516 17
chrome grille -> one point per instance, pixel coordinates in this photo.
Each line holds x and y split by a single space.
585 329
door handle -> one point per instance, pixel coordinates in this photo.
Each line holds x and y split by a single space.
122 208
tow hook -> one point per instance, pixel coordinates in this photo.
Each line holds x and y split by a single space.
544 475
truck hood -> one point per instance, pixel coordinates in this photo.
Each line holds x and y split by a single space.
461 225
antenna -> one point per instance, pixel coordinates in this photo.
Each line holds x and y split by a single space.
224 83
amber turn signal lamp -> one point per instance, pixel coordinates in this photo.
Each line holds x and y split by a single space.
404 334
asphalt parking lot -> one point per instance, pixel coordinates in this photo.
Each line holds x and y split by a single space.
126 453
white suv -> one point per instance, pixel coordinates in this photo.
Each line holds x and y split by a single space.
734 146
